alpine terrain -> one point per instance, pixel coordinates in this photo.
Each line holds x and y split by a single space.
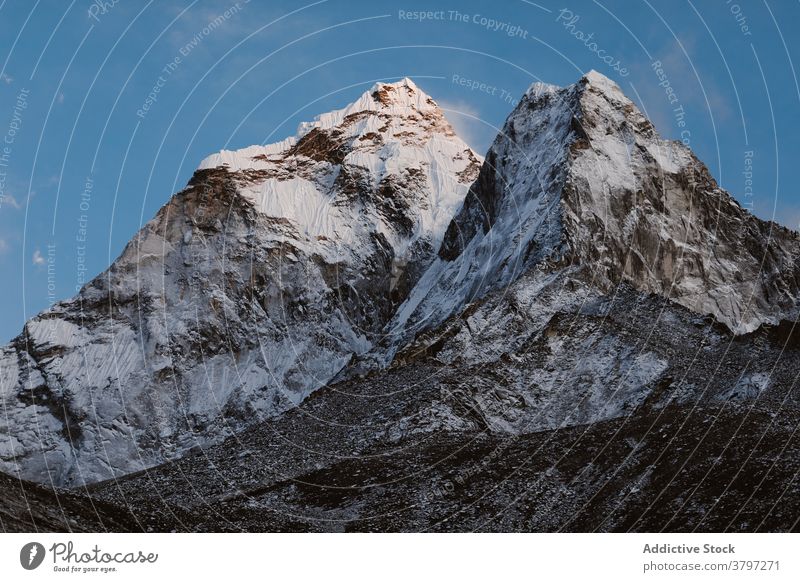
368 327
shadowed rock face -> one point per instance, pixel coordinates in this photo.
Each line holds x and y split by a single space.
646 211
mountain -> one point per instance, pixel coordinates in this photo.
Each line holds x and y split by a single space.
579 205
579 180
582 332
252 287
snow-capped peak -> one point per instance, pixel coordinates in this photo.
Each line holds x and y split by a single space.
394 134
402 98
600 81
402 101
592 78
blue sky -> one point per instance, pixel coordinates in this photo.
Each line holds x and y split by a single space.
87 165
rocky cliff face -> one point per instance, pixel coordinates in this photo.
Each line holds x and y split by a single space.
646 211
252 287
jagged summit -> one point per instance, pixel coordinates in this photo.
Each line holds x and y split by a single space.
388 111
402 98
393 139
602 82
643 210
598 81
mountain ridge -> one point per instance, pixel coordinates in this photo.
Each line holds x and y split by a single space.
281 269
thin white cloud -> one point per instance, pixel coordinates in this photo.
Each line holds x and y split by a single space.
678 68
38 259
201 23
3 246
6 79
465 120
9 200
